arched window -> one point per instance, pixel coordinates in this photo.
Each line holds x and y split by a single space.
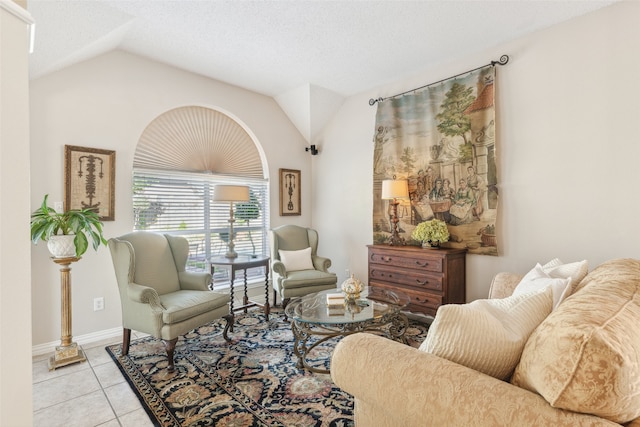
180 156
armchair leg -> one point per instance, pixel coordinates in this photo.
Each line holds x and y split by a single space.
229 318
285 301
170 345
126 340
275 295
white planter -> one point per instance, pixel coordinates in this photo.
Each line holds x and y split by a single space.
61 246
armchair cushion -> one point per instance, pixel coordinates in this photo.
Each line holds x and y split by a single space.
302 278
183 305
487 335
296 260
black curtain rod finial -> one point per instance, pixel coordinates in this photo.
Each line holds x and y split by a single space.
502 61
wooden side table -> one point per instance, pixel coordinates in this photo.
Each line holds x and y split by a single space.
67 352
244 262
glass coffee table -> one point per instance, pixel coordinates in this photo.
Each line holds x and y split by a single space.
314 321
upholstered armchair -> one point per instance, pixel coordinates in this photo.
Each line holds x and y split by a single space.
297 268
158 296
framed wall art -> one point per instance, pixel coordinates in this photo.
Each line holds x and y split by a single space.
290 202
89 180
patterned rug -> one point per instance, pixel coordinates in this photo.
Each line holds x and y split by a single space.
253 381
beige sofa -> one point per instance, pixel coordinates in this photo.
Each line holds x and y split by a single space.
584 357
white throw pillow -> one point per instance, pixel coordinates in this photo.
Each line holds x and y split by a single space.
538 279
575 270
296 260
487 335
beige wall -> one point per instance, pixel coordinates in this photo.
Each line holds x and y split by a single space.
568 143
106 103
568 146
15 290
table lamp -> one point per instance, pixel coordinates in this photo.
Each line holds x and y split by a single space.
394 189
231 193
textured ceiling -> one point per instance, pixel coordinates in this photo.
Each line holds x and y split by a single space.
272 47
296 50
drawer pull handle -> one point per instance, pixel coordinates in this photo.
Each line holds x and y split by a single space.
421 282
423 301
386 258
422 264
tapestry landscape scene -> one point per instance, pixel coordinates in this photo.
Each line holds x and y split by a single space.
442 140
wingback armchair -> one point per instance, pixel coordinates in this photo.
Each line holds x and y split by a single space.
297 268
157 295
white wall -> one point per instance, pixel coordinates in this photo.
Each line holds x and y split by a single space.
106 103
15 292
568 147
568 108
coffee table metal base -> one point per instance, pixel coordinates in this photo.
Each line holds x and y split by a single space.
393 326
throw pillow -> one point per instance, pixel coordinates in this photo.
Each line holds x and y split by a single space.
585 357
296 260
487 335
538 279
575 270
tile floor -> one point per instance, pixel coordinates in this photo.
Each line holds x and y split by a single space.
87 394
91 393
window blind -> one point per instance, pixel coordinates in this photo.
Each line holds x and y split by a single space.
180 203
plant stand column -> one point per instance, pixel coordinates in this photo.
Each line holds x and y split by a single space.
67 352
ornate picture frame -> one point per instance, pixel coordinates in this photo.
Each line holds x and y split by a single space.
89 180
290 201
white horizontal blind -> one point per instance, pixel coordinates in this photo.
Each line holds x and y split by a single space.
181 204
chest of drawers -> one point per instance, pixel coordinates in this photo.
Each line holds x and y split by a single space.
430 277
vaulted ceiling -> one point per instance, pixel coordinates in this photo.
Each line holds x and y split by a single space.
307 54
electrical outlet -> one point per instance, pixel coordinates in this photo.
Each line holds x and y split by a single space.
58 206
347 272
98 304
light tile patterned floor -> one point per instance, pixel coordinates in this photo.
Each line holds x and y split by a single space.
91 393
87 394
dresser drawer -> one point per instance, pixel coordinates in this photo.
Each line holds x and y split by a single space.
403 260
413 278
422 302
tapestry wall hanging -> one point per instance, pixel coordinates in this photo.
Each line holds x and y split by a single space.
441 138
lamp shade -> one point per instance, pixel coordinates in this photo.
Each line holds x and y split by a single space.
230 193
395 189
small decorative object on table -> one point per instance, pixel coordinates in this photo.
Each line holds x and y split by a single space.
352 288
431 233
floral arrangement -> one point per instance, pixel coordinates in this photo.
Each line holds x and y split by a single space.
431 231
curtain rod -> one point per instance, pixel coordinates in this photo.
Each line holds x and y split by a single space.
503 61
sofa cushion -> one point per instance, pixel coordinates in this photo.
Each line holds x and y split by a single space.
296 260
487 335
585 357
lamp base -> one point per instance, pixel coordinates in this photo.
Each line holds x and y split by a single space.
396 241
231 254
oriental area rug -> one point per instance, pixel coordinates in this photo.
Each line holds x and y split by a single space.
252 381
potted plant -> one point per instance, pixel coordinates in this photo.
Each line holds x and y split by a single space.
67 233
431 233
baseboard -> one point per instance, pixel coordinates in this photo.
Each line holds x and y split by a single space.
254 289
50 347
